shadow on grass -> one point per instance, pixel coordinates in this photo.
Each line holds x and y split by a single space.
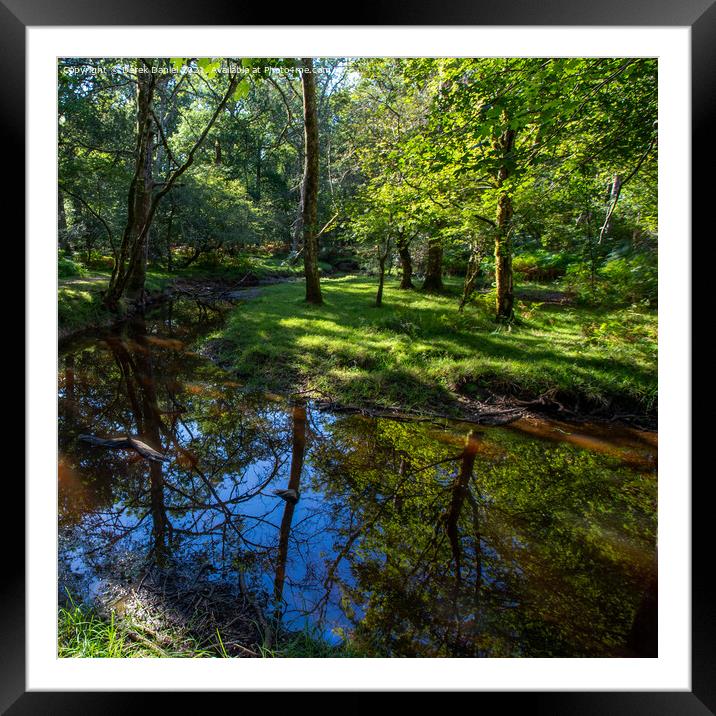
417 347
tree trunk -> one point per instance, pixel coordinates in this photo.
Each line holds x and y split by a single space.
612 199
503 260
62 235
298 451
434 272
259 167
170 262
406 265
89 243
471 275
614 189
504 302
381 281
129 270
129 273
460 489
309 186
137 271
297 226
382 257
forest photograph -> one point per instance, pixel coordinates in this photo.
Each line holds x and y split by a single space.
357 357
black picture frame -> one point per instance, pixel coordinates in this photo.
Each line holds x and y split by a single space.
699 15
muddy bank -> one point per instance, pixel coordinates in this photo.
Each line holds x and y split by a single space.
504 410
493 410
559 405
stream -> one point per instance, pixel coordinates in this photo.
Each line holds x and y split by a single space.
408 538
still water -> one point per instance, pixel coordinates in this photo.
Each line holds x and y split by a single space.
408 538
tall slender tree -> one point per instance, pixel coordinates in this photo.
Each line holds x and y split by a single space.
309 185
504 298
130 269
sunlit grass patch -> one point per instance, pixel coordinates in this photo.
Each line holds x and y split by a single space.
418 349
79 306
82 633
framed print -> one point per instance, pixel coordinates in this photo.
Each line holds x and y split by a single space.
356 353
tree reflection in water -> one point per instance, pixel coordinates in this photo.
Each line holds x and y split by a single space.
298 450
414 539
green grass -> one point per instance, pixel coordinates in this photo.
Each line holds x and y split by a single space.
82 633
79 297
79 302
418 351
308 644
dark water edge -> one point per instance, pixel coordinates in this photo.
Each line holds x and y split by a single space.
407 538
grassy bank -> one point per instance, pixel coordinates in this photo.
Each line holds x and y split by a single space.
79 303
83 633
79 298
418 351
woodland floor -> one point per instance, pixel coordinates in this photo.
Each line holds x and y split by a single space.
418 352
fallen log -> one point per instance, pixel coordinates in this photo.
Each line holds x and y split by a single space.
126 443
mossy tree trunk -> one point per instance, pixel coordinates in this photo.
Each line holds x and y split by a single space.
129 271
309 186
433 282
504 302
130 268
